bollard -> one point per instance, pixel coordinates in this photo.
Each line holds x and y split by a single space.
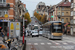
24 45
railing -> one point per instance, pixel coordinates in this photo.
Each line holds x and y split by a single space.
4 5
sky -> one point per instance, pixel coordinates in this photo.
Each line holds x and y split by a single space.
31 4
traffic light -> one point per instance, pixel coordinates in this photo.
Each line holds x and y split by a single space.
52 16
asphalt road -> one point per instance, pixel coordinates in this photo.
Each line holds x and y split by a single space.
42 43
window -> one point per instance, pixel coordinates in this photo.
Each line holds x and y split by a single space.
2 1
71 5
62 13
74 29
74 21
67 12
63 20
62 8
66 19
59 13
71 21
3 12
74 4
58 8
0 13
74 12
71 13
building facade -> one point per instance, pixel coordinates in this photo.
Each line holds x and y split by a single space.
63 11
72 17
15 9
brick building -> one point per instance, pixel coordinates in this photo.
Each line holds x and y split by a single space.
9 7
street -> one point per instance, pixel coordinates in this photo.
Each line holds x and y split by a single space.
42 43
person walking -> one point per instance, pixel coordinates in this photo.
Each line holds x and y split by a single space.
3 34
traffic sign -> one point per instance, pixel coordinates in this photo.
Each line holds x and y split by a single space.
52 16
6 15
12 26
17 26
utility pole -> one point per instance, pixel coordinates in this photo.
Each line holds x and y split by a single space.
23 29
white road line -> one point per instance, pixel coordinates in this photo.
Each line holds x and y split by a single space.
49 43
35 43
57 43
28 43
42 43
64 43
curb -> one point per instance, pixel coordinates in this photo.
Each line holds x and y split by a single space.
24 45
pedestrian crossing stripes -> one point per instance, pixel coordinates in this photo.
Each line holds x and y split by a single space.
49 43
35 43
42 43
28 43
57 43
64 43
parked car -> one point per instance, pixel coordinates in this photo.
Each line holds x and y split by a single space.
40 33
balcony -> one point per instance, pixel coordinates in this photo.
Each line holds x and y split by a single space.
4 5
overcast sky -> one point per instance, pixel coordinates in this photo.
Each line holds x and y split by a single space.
31 4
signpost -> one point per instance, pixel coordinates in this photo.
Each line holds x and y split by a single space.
11 29
17 30
14 30
6 15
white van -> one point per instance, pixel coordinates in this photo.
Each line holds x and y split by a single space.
35 33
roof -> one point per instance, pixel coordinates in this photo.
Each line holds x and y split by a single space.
65 4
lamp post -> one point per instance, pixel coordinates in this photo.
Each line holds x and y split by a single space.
23 29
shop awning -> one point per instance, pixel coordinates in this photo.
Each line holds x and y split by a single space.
4 21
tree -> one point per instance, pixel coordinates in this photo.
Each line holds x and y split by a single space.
27 16
43 19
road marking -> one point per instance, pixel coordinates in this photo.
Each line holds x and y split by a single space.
49 43
57 43
28 43
42 44
64 43
35 43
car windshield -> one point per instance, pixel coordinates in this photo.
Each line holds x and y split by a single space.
35 32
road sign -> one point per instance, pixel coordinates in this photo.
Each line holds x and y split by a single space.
17 26
6 15
12 26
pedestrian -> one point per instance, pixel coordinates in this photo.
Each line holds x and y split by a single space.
3 34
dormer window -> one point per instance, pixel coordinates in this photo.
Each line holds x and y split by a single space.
65 3
2 1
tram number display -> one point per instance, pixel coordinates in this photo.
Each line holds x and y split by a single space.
57 23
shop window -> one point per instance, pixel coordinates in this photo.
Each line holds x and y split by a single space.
1 23
5 23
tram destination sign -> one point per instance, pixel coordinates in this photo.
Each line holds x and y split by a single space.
56 23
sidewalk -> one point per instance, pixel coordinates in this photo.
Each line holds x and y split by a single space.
28 47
